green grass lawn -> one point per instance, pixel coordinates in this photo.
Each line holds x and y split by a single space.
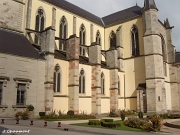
123 127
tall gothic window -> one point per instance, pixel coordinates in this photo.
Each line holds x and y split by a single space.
135 41
102 83
112 40
40 20
119 86
82 35
163 48
98 38
82 51
164 55
165 69
21 97
1 90
82 82
62 33
57 79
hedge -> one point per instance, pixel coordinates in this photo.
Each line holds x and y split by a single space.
94 122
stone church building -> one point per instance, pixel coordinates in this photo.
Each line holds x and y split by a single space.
57 56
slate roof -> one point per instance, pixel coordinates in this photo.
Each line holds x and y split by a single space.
177 57
123 15
17 44
117 17
60 55
76 10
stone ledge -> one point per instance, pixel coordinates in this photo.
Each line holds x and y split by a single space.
85 97
4 78
19 106
61 95
22 79
3 106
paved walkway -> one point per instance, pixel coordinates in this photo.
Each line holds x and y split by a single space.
65 124
171 130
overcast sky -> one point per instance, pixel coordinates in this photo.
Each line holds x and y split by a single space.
167 9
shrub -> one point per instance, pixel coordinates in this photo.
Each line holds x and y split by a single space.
18 114
30 107
70 112
94 122
156 121
123 116
164 115
126 112
42 114
70 117
83 113
139 123
140 115
25 114
113 114
110 124
107 120
60 112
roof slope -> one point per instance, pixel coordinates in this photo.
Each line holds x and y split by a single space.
17 44
117 17
123 15
76 10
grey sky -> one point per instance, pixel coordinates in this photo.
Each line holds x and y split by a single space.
167 9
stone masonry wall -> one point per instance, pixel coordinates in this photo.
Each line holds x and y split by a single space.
11 14
20 67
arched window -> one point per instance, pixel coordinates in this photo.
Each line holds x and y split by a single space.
98 38
164 55
82 82
163 48
40 22
112 40
82 34
119 86
1 90
102 83
57 79
62 33
135 41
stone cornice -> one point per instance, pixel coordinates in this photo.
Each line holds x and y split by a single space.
155 78
22 79
4 78
49 82
73 85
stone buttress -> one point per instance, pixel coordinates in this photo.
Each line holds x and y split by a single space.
95 61
112 63
72 54
47 41
120 49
